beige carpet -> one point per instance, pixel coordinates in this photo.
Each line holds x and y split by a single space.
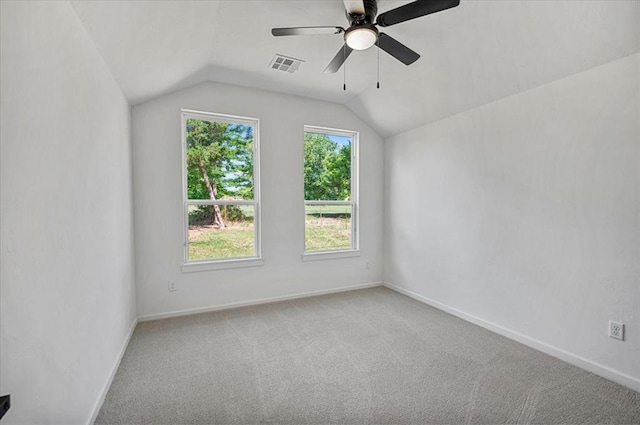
368 356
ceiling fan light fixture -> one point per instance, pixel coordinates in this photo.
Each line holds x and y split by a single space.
361 37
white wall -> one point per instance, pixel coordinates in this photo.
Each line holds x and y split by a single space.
67 293
524 213
159 211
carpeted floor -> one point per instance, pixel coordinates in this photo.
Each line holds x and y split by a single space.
368 356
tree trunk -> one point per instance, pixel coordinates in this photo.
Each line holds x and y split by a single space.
217 217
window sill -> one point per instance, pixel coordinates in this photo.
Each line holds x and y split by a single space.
330 255
235 263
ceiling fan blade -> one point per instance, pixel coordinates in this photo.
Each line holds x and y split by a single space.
279 32
414 10
397 49
354 6
338 59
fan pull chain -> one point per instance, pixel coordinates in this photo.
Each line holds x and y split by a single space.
378 84
344 67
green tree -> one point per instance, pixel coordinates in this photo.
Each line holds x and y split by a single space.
338 173
327 168
219 162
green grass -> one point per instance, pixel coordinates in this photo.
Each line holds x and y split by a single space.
328 209
327 234
322 233
327 227
207 243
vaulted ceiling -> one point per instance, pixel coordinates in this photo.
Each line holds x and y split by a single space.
473 54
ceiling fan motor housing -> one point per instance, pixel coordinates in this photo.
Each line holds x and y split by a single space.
371 10
362 33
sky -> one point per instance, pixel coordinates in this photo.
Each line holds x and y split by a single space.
340 140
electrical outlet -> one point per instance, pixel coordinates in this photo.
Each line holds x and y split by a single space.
616 330
366 265
172 286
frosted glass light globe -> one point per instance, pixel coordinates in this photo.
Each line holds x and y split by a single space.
361 38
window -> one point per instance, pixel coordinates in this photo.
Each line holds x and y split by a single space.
221 190
330 190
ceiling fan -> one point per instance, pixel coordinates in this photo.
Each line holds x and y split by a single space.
362 32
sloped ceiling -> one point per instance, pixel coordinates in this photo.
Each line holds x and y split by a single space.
473 54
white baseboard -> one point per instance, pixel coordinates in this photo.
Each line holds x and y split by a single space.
114 369
594 367
177 313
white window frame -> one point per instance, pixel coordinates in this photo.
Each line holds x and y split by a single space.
221 263
354 251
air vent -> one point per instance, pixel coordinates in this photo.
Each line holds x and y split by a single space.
285 63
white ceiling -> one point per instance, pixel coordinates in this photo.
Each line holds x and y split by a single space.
473 54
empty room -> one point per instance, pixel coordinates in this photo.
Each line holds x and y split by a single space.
319 212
